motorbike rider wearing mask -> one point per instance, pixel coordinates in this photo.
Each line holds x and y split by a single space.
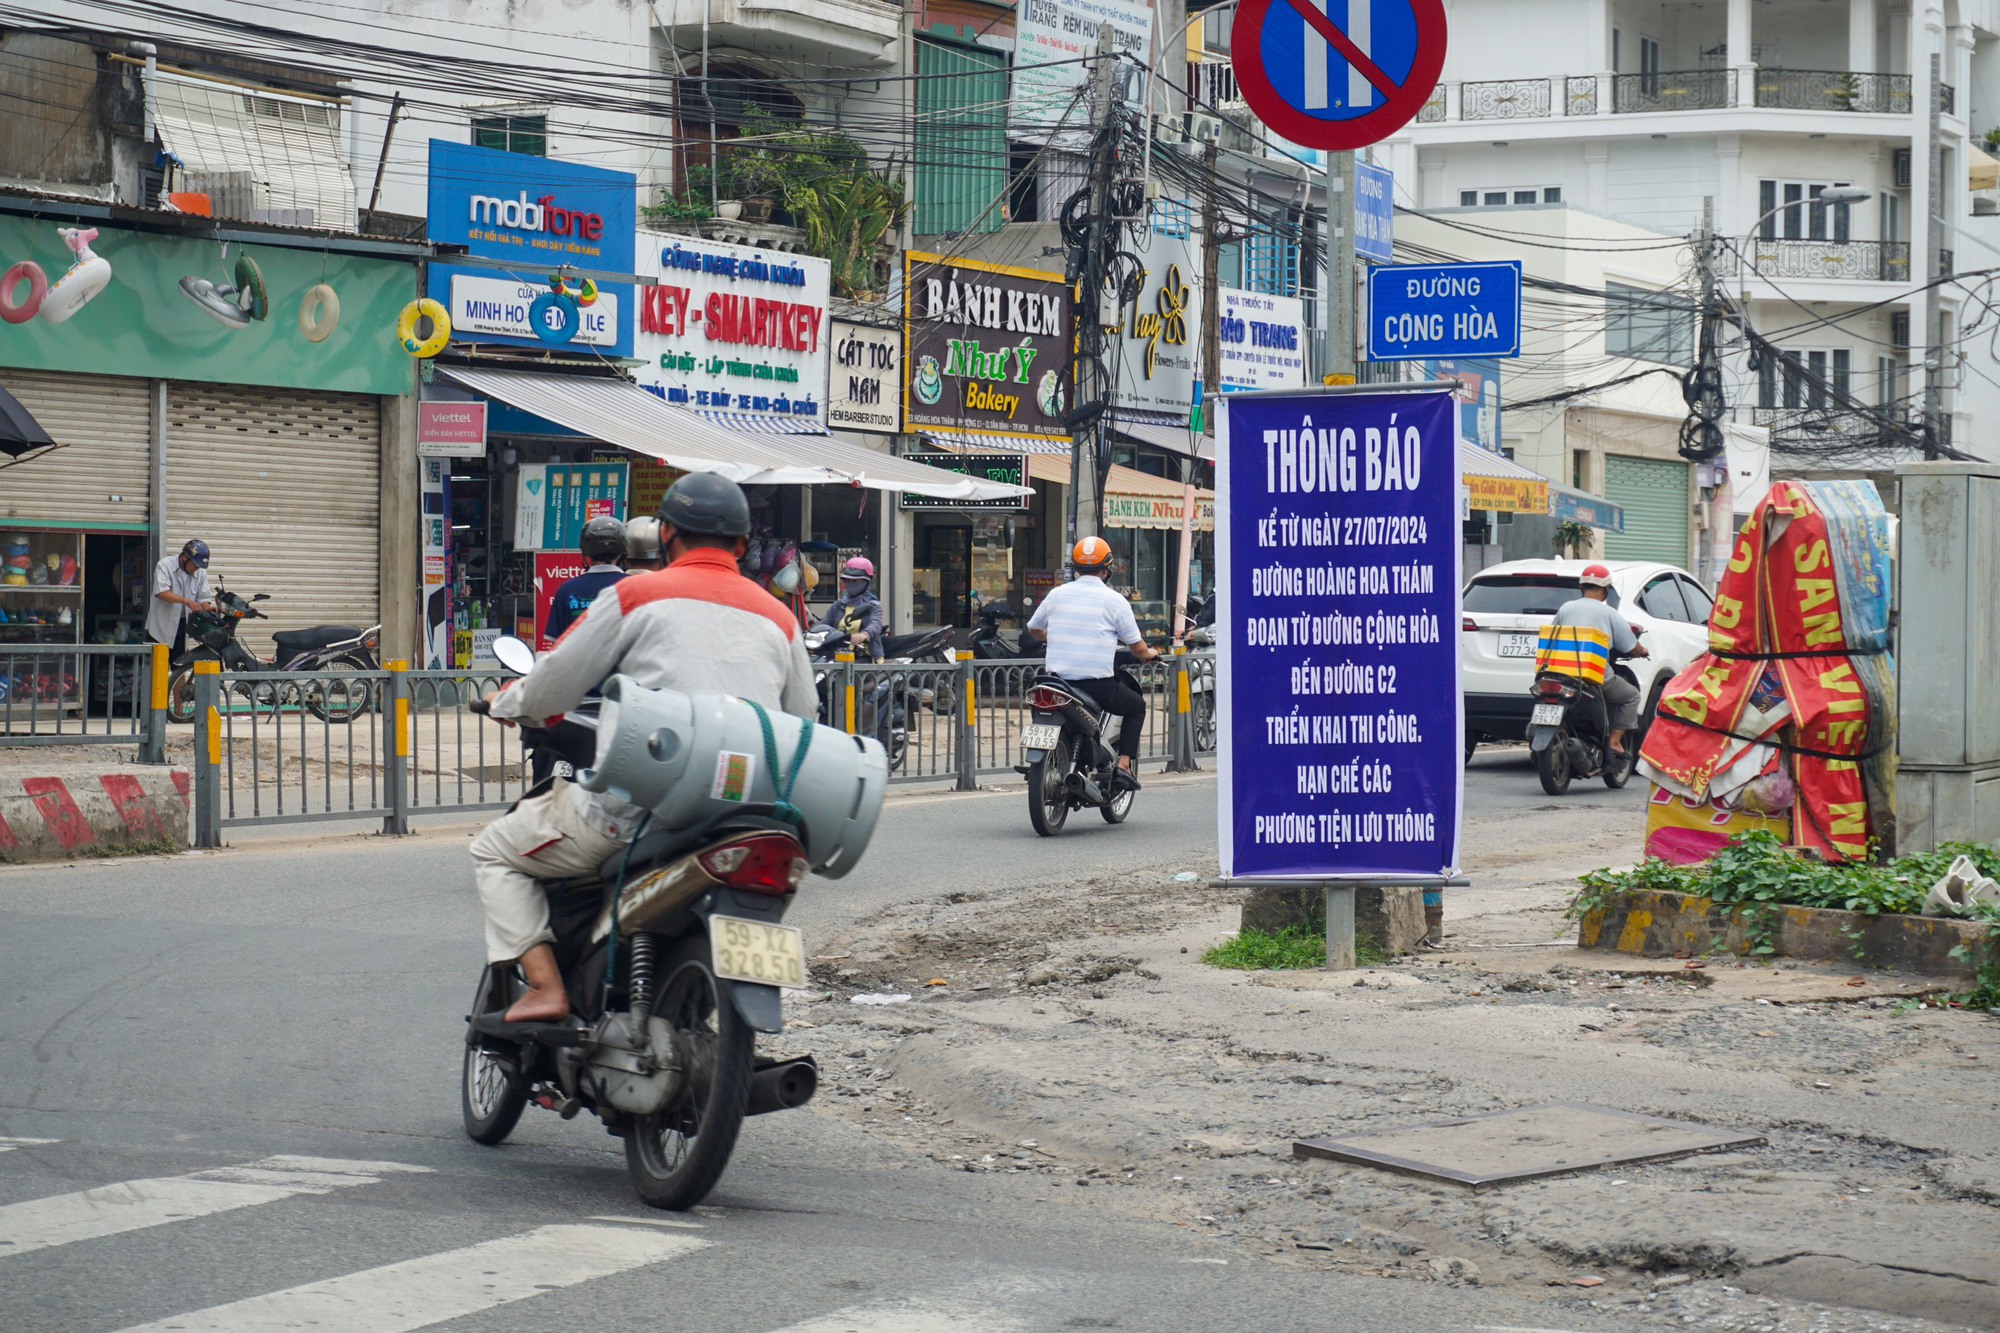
858 611
603 544
698 626
1593 611
1084 622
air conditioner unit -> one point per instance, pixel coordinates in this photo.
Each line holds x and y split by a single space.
1902 168
1168 129
1205 129
1899 328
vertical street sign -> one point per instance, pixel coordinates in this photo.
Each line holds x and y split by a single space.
1374 213
1337 538
1337 74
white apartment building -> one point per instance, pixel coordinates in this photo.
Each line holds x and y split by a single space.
1648 112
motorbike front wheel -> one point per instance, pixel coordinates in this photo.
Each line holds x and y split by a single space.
1048 789
1204 722
676 1155
1618 764
1119 806
1552 765
180 694
489 1101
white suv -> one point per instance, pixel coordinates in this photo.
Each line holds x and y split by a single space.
1505 607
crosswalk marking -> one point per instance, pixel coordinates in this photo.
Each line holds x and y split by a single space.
438 1287
900 1317
9 1144
133 1205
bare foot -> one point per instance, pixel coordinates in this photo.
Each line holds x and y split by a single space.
539 1006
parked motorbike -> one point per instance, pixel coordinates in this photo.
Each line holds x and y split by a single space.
1201 688
1569 730
333 650
990 645
674 953
885 699
1072 758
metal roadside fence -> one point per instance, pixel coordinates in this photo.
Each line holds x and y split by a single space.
296 747
84 694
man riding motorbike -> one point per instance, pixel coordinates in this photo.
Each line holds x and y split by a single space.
603 544
1084 622
642 545
858 611
698 626
1592 615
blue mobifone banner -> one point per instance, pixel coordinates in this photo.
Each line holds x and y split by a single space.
1338 543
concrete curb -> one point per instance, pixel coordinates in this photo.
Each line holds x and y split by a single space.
1658 924
64 812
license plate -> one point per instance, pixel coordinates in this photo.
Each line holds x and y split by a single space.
1517 645
1040 736
1547 715
755 951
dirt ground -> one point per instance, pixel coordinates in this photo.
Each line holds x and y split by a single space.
1078 1036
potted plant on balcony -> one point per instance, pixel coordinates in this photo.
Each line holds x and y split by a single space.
753 173
848 219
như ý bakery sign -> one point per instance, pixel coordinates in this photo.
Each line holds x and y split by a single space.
988 348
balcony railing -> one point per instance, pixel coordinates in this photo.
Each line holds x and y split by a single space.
1565 96
1674 90
1947 99
1833 427
1833 90
1504 99
1866 261
1947 262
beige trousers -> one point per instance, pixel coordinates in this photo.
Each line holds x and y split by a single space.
550 836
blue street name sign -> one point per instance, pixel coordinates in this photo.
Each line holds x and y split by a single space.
1424 310
1374 213
1337 532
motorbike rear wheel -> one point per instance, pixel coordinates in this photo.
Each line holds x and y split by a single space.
1552 765
1048 789
489 1101
676 1155
340 698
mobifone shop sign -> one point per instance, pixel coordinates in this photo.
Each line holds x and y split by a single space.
1338 544
988 348
535 215
731 328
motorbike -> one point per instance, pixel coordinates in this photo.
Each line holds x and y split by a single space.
333 650
675 955
1569 730
885 699
990 645
1071 756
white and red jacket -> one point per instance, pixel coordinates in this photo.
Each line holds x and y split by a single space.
697 626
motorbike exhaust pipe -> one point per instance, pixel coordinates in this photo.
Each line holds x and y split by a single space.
783 1085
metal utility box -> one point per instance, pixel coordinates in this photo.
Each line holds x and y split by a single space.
1948 655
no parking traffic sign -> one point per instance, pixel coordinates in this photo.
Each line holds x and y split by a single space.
1337 74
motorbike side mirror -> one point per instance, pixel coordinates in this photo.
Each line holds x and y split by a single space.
260 597
513 654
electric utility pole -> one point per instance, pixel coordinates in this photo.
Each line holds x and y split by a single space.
1934 247
1092 384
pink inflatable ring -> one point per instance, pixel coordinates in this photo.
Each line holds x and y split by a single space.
20 312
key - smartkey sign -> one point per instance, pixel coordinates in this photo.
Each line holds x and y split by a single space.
1338 547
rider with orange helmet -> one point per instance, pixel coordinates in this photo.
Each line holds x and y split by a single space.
1085 622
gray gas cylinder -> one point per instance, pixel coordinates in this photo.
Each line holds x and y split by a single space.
690 757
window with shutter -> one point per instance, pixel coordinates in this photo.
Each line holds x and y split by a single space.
961 138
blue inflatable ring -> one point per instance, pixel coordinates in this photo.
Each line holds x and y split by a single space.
553 330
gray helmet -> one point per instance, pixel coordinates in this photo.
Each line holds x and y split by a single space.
642 539
603 539
707 504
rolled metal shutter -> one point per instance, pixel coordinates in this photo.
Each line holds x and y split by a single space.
100 477
1654 493
284 486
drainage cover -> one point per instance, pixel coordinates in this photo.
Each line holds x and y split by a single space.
1521 1145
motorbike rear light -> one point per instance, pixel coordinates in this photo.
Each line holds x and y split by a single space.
1046 699
761 863
1549 688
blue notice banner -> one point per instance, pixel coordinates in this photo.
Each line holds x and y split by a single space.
1338 544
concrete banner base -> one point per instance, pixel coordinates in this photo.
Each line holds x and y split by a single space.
61 812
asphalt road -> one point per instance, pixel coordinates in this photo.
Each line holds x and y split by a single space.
228 1101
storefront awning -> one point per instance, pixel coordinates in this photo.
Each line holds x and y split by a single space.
1156 432
619 412
1573 506
966 443
251 152
1134 499
1984 171
763 423
1497 483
